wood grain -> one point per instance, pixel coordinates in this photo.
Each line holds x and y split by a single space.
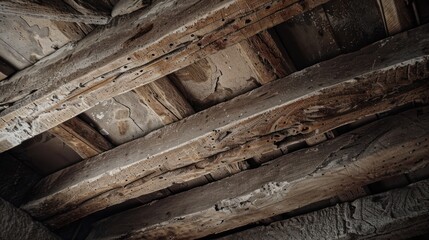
337 92
388 147
129 52
397 214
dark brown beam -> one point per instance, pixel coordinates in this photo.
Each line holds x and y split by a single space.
388 147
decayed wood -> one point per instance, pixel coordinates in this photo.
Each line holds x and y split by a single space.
131 51
165 100
268 60
16 224
128 6
81 137
33 9
389 147
397 15
284 111
397 214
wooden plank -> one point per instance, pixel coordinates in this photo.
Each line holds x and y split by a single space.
36 10
165 100
267 57
397 16
142 47
397 214
128 6
81 137
385 148
281 112
16 224
16 179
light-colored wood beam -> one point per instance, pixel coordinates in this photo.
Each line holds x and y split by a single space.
129 52
397 16
339 91
16 224
33 9
397 214
389 147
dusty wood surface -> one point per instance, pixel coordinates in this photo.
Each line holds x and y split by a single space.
267 57
388 147
397 214
281 112
52 12
16 224
142 47
128 6
81 137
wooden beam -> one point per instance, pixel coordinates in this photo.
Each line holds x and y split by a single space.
379 77
397 214
81 137
165 100
389 147
268 59
33 9
16 224
397 16
128 6
142 47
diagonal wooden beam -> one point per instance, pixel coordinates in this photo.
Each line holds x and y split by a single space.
128 6
382 76
36 10
129 52
397 214
389 147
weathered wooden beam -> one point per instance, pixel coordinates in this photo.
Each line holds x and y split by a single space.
141 48
128 6
397 214
16 224
389 147
268 59
165 100
379 77
33 9
81 137
397 16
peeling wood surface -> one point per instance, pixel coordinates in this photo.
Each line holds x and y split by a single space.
136 49
217 78
397 214
385 148
251 124
56 10
124 118
81 137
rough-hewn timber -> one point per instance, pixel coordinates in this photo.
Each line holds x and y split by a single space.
16 224
397 214
388 147
382 76
128 6
33 9
131 51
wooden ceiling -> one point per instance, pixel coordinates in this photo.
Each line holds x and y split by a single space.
191 119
